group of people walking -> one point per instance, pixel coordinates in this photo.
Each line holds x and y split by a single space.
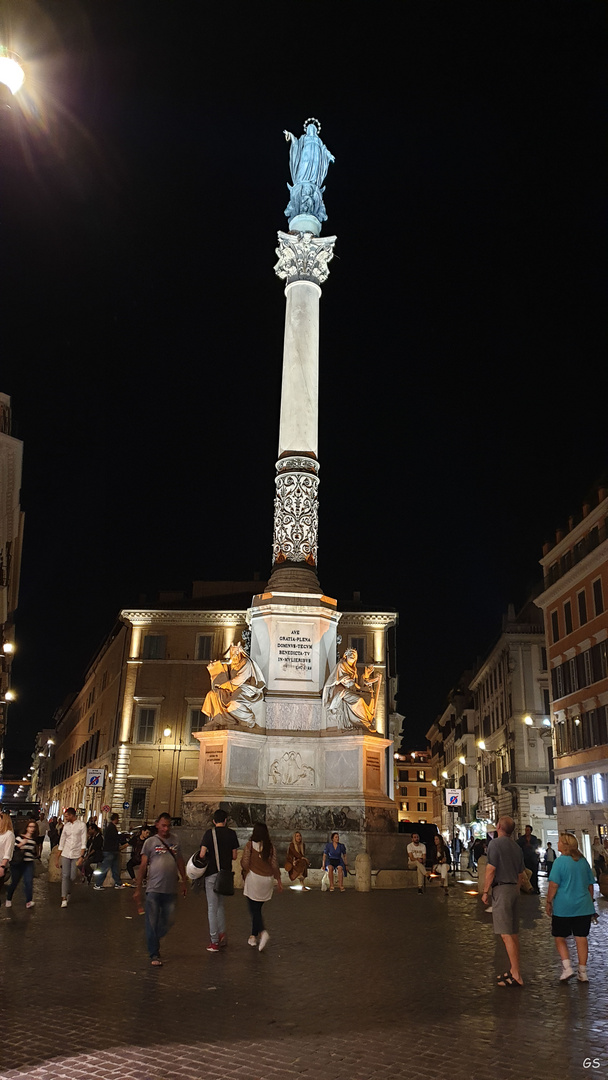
570 900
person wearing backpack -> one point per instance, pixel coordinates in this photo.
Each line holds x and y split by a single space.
225 842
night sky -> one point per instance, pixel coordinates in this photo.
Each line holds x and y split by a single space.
463 395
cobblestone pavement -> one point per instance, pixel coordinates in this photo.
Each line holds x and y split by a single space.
386 984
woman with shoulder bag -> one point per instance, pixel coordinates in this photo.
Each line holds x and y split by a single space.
7 846
260 870
22 865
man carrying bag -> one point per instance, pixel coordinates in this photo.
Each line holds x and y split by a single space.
219 846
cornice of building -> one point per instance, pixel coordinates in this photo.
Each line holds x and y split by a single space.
570 579
148 616
372 620
575 534
505 641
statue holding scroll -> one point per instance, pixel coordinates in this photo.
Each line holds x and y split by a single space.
236 688
343 698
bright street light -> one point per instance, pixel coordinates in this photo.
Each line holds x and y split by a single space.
8 647
462 760
481 744
10 695
528 720
11 72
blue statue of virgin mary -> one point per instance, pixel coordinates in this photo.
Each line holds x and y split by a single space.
309 160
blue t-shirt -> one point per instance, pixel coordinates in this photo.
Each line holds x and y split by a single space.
573 880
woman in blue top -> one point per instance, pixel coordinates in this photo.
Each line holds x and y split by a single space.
334 858
570 903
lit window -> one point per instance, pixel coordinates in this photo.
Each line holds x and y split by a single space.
421 774
582 793
597 781
421 806
567 797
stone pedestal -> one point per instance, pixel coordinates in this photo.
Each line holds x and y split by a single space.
314 782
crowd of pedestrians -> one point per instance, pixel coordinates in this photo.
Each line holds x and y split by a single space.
82 850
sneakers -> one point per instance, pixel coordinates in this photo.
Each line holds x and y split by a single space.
213 947
489 909
223 941
30 903
264 938
8 903
566 974
252 941
419 890
64 901
99 888
116 886
582 974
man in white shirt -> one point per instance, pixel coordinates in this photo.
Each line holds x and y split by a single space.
70 852
416 854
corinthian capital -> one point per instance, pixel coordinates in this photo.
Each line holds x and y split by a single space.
304 257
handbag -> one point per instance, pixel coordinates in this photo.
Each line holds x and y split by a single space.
18 856
224 882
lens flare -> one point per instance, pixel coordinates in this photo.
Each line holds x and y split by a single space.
11 74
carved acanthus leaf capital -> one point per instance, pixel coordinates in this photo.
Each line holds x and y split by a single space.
304 257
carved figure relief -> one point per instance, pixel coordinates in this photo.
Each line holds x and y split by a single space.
236 690
291 771
347 704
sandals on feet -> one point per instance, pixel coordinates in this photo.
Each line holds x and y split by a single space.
507 980
156 961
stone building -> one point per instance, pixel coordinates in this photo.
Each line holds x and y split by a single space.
139 707
512 727
413 786
453 759
11 541
574 604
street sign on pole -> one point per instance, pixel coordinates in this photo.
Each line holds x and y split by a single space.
95 778
453 797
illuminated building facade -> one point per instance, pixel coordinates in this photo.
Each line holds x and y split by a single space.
453 758
512 727
413 786
575 607
11 541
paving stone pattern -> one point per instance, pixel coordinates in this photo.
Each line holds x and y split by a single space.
386 984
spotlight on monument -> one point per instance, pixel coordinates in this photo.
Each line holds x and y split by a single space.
11 72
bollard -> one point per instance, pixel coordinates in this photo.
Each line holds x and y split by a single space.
482 862
363 873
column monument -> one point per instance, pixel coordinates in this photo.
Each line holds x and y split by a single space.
307 756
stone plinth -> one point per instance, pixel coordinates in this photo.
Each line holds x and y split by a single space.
307 781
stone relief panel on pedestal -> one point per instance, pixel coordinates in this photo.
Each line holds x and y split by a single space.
290 770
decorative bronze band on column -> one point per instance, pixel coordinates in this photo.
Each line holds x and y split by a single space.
296 511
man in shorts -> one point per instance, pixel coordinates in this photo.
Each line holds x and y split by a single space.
505 876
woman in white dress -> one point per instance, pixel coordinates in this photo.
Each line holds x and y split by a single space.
260 870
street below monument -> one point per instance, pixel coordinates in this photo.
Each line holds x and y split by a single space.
357 985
